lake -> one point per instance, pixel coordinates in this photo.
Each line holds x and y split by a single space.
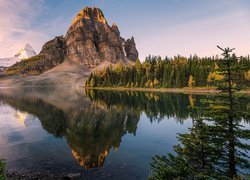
94 134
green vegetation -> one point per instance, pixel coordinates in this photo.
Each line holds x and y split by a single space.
156 72
2 169
214 147
24 65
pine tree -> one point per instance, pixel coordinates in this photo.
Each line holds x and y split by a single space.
143 81
168 72
139 71
223 111
213 150
2 169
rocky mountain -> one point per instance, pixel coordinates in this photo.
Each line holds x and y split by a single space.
26 52
90 42
51 55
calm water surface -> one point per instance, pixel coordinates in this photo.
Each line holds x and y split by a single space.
100 134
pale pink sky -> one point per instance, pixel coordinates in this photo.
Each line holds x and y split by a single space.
160 27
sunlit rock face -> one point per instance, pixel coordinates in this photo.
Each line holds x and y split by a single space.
90 40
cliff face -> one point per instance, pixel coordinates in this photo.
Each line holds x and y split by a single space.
130 49
89 41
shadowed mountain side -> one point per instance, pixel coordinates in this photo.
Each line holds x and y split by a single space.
51 55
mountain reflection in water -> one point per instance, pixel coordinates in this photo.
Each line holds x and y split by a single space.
91 129
93 122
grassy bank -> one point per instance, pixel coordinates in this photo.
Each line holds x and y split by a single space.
186 90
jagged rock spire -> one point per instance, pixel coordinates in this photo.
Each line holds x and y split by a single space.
90 13
91 41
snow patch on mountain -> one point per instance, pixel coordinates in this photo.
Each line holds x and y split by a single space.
24 53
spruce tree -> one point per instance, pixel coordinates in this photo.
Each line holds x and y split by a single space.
224 113
2 170
215 149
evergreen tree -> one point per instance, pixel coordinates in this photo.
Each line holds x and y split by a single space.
213 150
168 73
2 170
224 112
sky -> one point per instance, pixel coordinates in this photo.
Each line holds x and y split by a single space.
160 27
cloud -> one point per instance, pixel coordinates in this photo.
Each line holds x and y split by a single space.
200 36
17 17
160 27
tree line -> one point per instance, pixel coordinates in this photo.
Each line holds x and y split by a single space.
156 72
217 145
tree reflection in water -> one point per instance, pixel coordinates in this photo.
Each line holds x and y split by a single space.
93 122
216 147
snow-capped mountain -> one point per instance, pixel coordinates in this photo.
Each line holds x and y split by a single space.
24 53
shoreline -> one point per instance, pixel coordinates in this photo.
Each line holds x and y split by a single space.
185 90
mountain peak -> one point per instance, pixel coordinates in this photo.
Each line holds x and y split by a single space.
28 46
26 52
90 13
89 42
